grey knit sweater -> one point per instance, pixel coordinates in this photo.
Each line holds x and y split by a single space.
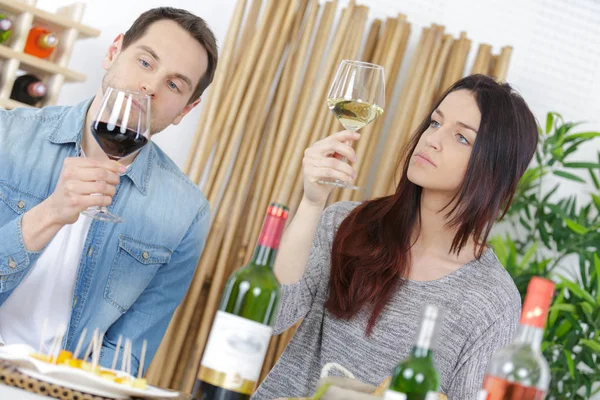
481 307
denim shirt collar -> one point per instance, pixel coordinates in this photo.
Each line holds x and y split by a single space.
69 129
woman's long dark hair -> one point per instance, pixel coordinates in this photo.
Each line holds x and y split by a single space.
370 251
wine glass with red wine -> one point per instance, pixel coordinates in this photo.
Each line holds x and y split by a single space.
121 127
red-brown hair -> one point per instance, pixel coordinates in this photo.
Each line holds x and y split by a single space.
371 249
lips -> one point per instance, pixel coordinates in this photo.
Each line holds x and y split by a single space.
426 158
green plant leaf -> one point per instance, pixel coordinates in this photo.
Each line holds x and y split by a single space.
597 267
587 308
575 227
563 329
566 175
581 135
577 291
594 179
528 255
570 308
596 200
549 122
581 165
591 344
570 363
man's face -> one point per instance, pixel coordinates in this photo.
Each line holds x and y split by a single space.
166 63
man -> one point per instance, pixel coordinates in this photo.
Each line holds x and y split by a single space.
63 272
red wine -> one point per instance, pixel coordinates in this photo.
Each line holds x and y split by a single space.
28 89
500 389
115 143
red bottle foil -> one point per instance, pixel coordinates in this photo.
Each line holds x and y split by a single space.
273 226
537 302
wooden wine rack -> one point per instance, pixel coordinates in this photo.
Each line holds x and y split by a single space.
54 71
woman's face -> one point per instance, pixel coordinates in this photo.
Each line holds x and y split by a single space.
440 160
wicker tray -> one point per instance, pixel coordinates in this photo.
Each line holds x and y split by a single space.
11 376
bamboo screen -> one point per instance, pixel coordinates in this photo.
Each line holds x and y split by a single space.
266 105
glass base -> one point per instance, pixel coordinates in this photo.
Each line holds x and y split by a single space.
339 183
102 214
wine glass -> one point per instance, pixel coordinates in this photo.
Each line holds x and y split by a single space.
121 127
356 97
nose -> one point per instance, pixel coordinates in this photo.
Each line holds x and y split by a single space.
434 139
147 88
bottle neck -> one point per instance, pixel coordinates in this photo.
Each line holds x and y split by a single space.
423 345
531 336
263 256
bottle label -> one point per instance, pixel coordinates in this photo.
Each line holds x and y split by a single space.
391 395
234 353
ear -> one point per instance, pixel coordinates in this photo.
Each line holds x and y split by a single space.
185 110
113 51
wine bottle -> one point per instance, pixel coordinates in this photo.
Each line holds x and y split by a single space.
41 42
241 331
415 377
28 89
519 371
354 114
5 28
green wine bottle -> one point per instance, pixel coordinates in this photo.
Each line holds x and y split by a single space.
415 377
5 28
241 331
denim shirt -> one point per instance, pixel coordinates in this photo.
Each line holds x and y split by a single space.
131 275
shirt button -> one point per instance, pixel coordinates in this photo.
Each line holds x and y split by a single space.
21 204
11 263
75 300
145 255
91 251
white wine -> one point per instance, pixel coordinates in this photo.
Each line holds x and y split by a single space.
354 114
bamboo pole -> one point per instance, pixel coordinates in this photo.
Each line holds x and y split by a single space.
501 68
482 60
248 32
292 79
225 118
206 136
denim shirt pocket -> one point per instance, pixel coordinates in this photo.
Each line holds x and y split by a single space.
134 266
13 203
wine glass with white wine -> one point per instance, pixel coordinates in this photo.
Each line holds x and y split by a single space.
357 98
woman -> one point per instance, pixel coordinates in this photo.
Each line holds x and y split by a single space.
359 274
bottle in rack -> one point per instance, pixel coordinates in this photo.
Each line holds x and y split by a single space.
5 28
415 377
241 331
28 89
519 371
41 42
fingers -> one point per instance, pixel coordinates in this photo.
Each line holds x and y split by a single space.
330 147
93 175
82 162
87 188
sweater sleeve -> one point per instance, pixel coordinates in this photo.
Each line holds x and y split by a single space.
474 359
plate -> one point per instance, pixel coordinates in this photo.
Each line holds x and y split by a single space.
75 378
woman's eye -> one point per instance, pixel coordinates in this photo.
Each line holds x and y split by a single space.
462 139
144 63
434 124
